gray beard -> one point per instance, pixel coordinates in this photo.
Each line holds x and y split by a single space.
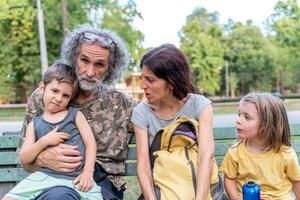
87 86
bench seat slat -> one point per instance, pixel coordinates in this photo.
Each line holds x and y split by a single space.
12 174
131 153
9 158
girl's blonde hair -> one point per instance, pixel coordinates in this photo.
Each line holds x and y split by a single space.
274 129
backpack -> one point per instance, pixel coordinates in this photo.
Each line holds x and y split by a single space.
174 162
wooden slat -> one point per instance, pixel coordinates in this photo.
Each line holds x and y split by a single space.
295 129
224 138
221 147
130 169
18 174
131 153
224 133
12 174
296 144
9 158
11 141
132 141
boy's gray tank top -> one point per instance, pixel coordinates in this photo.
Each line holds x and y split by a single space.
67 125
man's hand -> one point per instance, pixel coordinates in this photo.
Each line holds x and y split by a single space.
54 137
61 158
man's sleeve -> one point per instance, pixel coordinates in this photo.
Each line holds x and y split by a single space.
34 108
131 105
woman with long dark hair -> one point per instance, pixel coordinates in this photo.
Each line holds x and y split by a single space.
166 81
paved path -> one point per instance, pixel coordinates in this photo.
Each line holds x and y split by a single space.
219 121
230 119
10 126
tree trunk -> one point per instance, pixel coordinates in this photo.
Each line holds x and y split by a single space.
281 82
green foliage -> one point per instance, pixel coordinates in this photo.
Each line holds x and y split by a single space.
200 41
285 26
20 69
249 55
120 18
19 50
254 61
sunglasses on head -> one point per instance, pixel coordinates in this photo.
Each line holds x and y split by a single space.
104 40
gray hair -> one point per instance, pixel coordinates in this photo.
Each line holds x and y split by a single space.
118 57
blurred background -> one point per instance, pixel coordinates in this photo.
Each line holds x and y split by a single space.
233 47
228 58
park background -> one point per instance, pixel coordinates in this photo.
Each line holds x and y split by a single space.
228 58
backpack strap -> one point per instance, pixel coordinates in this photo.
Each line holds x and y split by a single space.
186 151
155 146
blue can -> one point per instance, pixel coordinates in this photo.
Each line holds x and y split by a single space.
251 191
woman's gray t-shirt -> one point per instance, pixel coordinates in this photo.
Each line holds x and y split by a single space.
145 118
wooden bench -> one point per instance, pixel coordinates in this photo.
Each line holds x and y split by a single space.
11 171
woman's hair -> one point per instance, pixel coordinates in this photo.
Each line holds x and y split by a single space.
274 129
61 73
167 62
87 34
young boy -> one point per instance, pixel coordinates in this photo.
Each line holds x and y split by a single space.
59 123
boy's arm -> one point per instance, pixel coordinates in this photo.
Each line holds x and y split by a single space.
230 187
31 148
90 151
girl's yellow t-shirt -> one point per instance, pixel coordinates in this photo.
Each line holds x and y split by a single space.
272 171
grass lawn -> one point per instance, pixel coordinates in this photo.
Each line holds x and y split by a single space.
232 107
17 114
132 188
12 114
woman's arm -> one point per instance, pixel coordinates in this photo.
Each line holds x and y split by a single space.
230 187
143 163
85 179
206 153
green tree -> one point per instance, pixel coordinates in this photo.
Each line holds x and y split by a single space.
285 27
120 19
19 55
19 50
200 40
249 55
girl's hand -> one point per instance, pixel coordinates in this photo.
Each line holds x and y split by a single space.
85 181
54 137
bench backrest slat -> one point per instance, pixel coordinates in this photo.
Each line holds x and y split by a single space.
224 138
11 141
9 158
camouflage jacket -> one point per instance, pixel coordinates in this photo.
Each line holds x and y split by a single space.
109 117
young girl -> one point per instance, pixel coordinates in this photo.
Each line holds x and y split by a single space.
59 123
263 153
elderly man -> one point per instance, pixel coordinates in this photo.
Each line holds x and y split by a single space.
98 56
